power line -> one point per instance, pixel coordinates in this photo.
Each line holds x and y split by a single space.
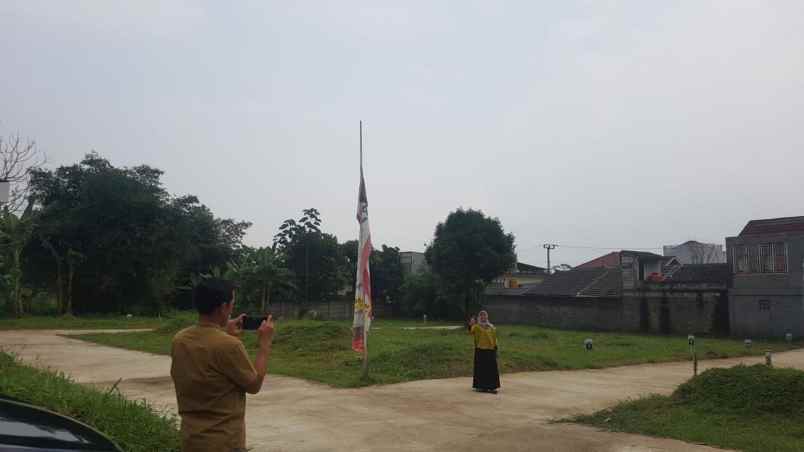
636 248
613 247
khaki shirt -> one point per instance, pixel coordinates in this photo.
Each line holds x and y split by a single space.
211 371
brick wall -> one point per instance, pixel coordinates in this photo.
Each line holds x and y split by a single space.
554 312
767 315
676 309
667 309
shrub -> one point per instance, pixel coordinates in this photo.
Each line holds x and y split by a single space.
133 425
750 390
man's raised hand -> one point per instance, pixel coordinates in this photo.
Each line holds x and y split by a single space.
266 331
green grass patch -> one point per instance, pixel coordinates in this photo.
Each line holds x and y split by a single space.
321 350
133 425
93 322
750 408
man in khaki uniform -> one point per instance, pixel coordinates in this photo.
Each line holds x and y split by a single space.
212 372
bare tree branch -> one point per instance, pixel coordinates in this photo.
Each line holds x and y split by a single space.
17 158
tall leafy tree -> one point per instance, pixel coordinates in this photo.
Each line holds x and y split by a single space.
386 274
349 264
313 256
386 270
15 232
116 240
467 252
260 271
421 294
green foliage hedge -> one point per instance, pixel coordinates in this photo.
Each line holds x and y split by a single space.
746 390
749 408
133 425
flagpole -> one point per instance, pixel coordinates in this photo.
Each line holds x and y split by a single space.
365 314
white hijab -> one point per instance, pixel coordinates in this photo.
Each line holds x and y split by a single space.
484 323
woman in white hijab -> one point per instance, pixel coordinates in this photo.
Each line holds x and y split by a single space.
486 373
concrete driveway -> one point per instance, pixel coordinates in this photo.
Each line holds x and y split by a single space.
291 414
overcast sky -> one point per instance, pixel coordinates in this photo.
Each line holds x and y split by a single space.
601 124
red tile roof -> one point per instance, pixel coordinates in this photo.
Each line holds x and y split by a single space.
774 225
611 260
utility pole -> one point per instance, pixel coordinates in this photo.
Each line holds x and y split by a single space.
548 247
306 270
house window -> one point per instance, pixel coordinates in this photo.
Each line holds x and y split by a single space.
779 257
753 259
764 305
741 259
762 258
765 258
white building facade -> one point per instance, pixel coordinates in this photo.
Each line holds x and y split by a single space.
693 252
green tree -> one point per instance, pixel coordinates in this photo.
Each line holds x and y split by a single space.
260 271
386 271
15 233
420 295
386 274
348 251
117 241
468 251
313 256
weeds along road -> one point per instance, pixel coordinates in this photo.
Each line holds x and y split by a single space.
291 414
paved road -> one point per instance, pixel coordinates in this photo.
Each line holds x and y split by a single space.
434 415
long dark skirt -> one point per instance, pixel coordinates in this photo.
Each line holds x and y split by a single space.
486 375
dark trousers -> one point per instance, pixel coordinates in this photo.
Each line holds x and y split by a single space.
486 374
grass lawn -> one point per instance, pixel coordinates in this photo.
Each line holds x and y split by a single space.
320 351
77 323
754 409
134 426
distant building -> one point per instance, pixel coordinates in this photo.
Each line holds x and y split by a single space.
766 298
520 275
693 252
636 265
413 262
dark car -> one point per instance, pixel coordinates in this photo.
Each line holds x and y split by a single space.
25 427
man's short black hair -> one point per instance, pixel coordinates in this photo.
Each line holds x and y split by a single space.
211 293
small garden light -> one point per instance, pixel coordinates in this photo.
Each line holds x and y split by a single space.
748 343
789 338
691 340
588 344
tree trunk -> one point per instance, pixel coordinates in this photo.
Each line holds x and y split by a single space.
68 298
59 288
266 299
18 298
17 272
59 275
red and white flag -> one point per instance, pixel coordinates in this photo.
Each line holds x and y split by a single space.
362 319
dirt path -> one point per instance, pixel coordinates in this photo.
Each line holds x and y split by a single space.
434 415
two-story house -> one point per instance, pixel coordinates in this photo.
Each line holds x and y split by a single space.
767 294
636 265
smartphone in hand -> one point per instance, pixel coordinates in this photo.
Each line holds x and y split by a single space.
252 322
